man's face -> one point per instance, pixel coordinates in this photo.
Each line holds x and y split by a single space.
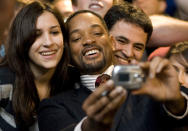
151 7
90 44
98 6
130 41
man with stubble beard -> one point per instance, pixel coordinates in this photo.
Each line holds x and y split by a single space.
131 29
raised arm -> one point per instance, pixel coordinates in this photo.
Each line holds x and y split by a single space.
162 85
167 30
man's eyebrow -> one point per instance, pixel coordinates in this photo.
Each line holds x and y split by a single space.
122 37
96 25
93 26
140 44
74 31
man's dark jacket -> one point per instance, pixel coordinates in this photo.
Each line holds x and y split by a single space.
138 113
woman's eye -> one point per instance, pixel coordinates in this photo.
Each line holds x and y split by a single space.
55 32
38 33
98 33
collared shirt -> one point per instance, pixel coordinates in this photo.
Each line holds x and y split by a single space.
89 80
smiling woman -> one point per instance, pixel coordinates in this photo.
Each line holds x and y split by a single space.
37 54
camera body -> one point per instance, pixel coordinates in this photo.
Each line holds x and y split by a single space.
128 76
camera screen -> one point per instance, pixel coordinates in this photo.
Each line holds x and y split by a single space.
123 77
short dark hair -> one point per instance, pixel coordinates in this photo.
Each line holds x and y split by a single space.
131 14
86 11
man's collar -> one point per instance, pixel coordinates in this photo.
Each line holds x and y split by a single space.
89 80
109 70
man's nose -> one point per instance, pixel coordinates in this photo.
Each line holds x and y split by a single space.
88 39
129 50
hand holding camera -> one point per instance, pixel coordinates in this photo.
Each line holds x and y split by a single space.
156 78
101 109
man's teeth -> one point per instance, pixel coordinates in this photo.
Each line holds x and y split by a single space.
91 52
48 53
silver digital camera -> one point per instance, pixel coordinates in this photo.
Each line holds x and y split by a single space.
128 76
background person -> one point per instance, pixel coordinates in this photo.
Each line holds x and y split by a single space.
151 7
8 9
98 6
181 9
178 55
64 7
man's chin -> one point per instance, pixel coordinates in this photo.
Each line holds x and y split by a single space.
95 66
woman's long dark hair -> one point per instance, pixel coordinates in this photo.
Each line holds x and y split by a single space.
21 36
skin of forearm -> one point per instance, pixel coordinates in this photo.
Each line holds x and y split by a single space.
167 31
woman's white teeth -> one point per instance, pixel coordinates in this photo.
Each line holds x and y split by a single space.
48 53
91 52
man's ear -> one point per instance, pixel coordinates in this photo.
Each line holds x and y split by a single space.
162 6
113 42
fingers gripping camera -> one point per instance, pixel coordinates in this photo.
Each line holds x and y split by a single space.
128 76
